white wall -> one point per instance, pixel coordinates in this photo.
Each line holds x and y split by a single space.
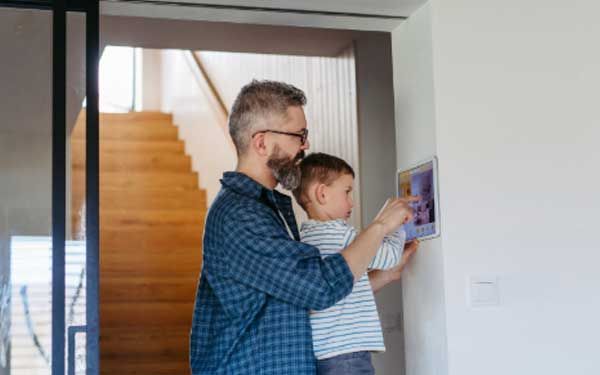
200 125
516 87
423 279
377 144
151 79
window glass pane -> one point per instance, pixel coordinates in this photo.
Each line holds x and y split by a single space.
25 191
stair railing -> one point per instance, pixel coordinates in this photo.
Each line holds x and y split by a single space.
208 86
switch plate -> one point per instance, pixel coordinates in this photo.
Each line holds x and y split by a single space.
483 291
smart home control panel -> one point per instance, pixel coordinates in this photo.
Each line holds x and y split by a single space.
421 180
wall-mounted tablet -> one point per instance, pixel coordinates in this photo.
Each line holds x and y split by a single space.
421 180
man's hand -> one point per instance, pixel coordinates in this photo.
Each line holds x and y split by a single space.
380 278
395 212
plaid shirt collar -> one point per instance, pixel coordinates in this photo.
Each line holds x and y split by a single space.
244 185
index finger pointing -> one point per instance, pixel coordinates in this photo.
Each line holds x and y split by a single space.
411 198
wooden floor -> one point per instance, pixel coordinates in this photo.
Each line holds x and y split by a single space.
151 222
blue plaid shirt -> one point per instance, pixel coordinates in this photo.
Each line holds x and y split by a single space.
258 285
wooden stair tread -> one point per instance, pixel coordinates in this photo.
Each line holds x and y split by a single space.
188 234
143 180
149 199
154 267
157 367
145 288
136 162
120 342
151 218
149 147
135 131
141 314
130 116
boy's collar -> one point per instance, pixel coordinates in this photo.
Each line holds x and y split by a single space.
313 223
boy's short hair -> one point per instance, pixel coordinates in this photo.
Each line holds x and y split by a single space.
319 168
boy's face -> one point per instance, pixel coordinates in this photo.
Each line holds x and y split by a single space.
338 198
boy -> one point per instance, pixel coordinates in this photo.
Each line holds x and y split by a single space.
346 333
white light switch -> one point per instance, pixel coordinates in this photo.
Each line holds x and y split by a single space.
483 291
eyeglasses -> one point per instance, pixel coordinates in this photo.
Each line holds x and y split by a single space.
303 134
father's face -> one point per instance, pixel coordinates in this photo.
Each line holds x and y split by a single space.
288 150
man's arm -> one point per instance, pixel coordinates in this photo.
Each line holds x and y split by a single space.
256 252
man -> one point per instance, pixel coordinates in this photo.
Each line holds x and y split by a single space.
258 282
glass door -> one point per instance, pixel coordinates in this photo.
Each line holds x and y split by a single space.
48 188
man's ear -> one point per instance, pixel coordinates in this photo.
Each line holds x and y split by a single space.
321 193
258 144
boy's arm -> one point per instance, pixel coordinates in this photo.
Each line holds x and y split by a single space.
381 278
389 253
360 252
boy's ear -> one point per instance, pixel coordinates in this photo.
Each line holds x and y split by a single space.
321 193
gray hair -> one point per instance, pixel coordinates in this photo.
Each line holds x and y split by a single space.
256 105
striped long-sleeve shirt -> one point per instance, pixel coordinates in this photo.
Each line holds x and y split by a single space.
352 324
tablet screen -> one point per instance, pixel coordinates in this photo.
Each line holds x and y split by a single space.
421 181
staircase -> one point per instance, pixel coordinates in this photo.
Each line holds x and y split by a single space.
151 222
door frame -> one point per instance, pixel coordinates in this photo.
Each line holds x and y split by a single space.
91 10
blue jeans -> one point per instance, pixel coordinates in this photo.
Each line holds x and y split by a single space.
358 363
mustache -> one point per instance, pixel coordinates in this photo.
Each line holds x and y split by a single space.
300 155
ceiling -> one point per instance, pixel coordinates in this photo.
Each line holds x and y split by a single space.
400 8
373 15
219 36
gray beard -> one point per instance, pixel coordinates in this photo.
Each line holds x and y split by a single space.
285 170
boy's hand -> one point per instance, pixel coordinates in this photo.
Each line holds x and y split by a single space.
380 278
410 248
395 212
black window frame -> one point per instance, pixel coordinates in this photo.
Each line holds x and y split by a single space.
91 9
